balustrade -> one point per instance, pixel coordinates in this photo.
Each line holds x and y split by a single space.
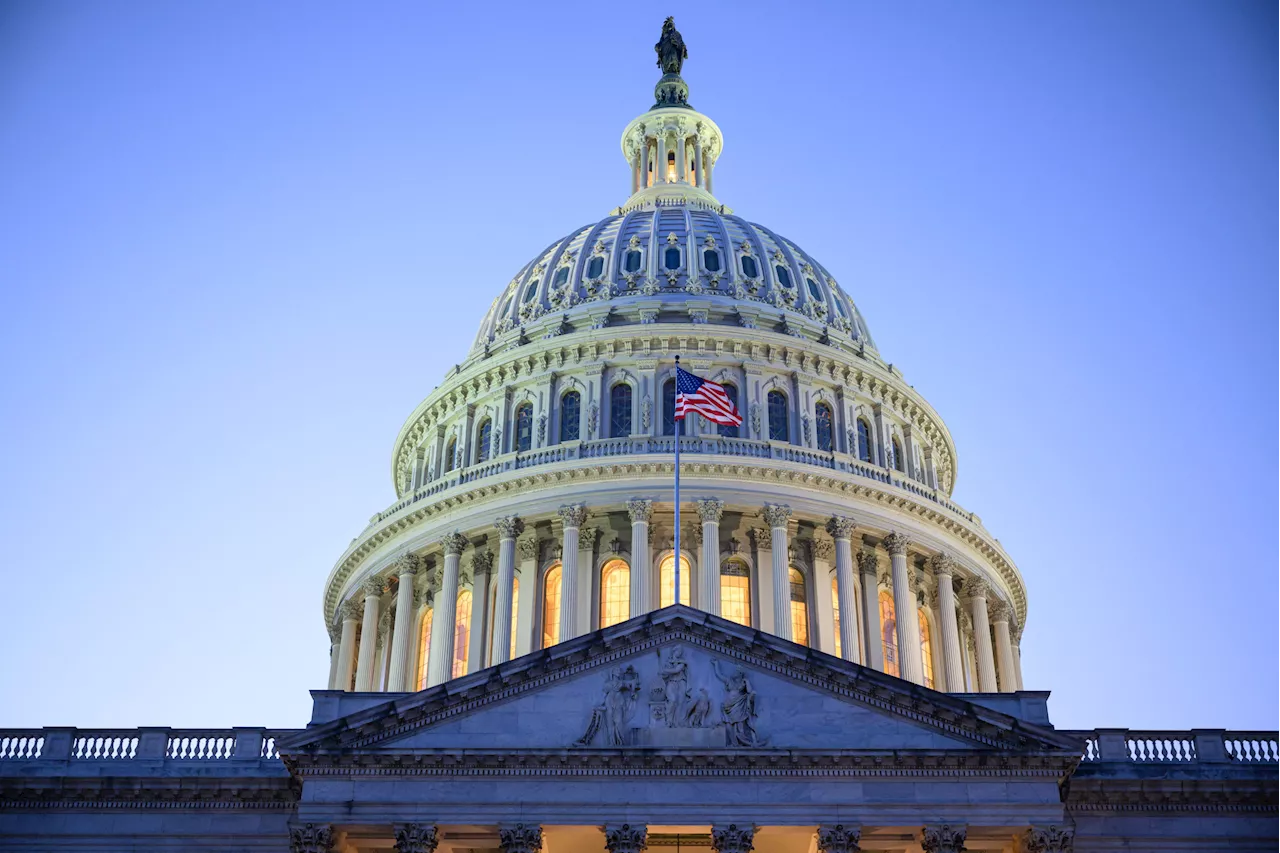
143 746
1178 747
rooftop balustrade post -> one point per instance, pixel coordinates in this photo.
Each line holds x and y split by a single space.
1113 745
1211 745
57 743
248 745
153 744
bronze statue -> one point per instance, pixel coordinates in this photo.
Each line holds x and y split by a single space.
670 48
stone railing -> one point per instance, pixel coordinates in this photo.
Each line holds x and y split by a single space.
709 445
1179 747
149 746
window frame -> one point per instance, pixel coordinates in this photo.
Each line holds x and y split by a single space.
818 409
574 422
525 408
777 393
617 411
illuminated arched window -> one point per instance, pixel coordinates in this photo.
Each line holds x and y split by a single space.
926 649
620 410
729 430
826 431
524 427
799 609
666 577
615 593
450 454
570 406
897 455
670 426
779 427
424 651
484 441
835 609
551 607
888 633
735 593
864 440
515 610
461 633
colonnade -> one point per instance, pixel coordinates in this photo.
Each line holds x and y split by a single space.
650 155
969 646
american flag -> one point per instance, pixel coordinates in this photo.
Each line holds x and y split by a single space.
705 397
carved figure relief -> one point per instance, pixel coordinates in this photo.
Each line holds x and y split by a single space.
612 716
738 710
675 679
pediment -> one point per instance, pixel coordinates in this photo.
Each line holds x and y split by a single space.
683 680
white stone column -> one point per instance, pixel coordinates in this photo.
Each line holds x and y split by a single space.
571 518
347 645
509 527
910 662
372 589
873 651
682 164
335 642
481 570
952 667
660 160
710 171
700 179
842 530
406 568
776 516
1017 652
710 510
445 612
527 550
823 551
641 595
1007 671
975 591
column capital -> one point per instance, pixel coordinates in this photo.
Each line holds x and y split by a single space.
1048 839
640 510
351 611
572 516
896 543
942 839
942 564
520 838
763 537
868 563
509 526
312 838
975 587
823 548
710 510
481 563
733 838
998 609
839 838
777 515
416 838
841 527
373 587
453 543
527 548
405 564
625 838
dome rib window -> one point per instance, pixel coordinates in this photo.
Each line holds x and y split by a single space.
864 440
671 258
562 275
735 593
484 441
620 411
670 426
729 430
813 289
570 407
779 426
784 277
711 260
749 267
531 291
826 432
595 267
524 427
631 261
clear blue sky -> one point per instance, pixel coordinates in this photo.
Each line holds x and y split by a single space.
239 242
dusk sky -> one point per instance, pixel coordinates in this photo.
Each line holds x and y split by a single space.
240 241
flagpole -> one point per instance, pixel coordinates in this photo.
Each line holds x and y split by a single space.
676 430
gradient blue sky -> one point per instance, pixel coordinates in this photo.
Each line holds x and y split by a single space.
239 242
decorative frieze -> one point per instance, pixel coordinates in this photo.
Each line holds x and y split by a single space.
520 838
942 839
733 838
312 838
416 838
839 838
625 838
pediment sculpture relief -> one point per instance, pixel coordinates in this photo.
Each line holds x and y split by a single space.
692 703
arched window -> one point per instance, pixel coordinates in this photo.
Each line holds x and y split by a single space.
671 167
749 267
835 610
799 609
826 432
735 593
450 454
631 261
864 440
595 266
779 428
615 593
670 426
729 430
671 258
461 633
620 411
570 406
424 650
784 277
888 633
515 610
666 578
524 427
551 607
926 649
484 441
711 260
897 456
